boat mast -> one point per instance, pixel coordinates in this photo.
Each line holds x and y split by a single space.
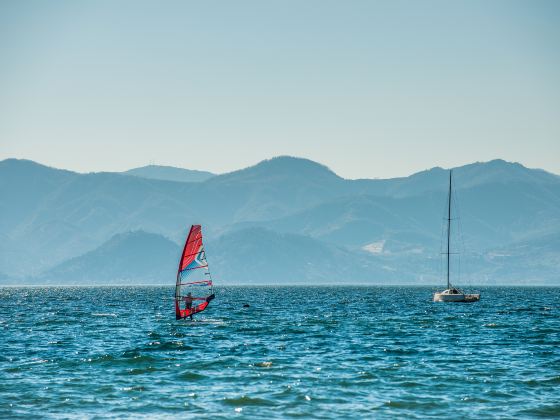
448 226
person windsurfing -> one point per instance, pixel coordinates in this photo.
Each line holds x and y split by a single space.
194 282
188 302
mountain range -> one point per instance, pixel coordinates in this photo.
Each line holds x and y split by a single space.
284 220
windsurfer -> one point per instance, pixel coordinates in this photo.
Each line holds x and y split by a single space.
188 302
194 282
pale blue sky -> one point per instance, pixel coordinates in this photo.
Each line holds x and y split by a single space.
369 88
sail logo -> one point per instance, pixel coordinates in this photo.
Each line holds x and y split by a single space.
200 257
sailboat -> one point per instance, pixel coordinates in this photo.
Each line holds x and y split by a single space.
452 294
194 289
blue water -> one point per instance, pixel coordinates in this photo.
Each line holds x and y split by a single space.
324 352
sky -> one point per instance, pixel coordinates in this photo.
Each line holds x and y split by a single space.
368 88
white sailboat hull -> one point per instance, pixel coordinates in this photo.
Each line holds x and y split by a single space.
447 296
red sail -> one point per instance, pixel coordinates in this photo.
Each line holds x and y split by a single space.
192 246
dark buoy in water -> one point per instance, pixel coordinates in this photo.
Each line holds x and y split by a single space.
245 305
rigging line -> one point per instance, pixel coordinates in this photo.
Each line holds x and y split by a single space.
462 260
194 268
444 231
454 204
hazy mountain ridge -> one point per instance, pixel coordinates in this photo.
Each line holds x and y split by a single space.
169 173
77 214
134 257
50 216
240 257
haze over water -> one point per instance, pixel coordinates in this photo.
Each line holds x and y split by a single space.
338 352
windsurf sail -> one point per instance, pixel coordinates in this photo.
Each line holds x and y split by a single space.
194 289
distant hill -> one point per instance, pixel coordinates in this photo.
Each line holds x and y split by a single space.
49 215
392 227
530 261
131 258
495 172
170 173
273 188
258 255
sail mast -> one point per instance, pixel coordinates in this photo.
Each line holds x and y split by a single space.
448 226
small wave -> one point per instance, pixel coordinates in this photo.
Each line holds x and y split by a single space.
140 371
166 345
36 361
100 359
412 405
246 400
264 364
139 388
133 356
105 315
550 410
524 310
209 321
555 380
199 322
400 351
192 376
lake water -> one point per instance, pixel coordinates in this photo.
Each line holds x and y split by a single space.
323 352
